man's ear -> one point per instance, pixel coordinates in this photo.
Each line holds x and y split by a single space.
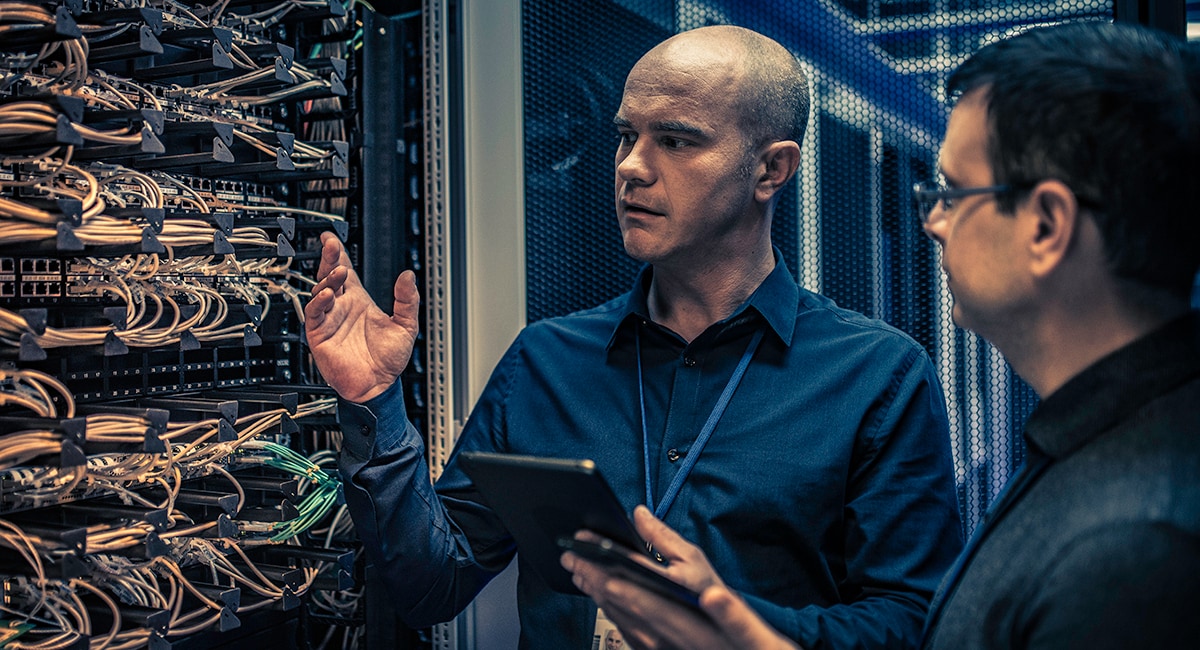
777 165
1055 213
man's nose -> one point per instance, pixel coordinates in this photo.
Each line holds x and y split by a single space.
934 223
634 167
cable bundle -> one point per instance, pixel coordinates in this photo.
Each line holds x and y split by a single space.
139 264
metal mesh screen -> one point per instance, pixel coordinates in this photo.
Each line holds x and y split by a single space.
846 229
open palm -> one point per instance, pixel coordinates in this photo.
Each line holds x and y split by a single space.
359 350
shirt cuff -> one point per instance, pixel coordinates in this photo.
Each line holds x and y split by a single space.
376 425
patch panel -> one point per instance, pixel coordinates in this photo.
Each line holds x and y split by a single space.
149 252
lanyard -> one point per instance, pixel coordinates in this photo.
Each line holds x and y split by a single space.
694 453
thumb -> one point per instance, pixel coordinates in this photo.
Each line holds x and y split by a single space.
662 537
406 301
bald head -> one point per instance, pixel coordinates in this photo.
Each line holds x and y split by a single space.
761 77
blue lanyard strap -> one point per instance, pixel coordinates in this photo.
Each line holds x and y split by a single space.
705 433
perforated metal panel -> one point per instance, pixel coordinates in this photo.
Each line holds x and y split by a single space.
847 229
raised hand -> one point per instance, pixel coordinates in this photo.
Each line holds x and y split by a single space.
359 350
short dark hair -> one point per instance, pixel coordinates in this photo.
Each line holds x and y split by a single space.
1112 111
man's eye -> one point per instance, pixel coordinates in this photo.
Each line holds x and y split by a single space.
625 139
673 143
948 203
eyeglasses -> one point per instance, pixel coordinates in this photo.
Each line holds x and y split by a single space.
927 195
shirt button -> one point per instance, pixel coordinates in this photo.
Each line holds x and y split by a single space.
672 455
689 362
365 429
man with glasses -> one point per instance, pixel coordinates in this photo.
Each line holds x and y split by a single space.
1070 240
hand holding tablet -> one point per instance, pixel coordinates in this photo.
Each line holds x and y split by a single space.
609 555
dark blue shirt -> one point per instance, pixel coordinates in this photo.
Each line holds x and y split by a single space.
825 494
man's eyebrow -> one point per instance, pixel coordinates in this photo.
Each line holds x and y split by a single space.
668 126
682 128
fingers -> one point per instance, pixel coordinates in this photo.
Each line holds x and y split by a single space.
589 577
331 255
314 312
586 535
586 576
323 297
324 292
619 600
334 257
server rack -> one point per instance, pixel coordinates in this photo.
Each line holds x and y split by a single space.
166 473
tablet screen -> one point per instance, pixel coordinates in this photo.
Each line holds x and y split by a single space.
542 500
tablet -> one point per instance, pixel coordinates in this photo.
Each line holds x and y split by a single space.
543 500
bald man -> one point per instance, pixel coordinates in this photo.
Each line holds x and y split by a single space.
803 446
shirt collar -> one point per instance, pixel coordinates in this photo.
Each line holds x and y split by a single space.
1116 386
777 300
